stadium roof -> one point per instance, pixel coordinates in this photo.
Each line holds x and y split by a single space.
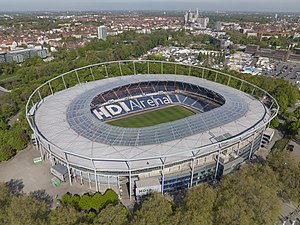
87 125
93 139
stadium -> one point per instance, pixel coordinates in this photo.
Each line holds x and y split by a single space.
144 126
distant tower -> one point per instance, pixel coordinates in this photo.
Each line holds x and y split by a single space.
276 16
203 22
102 32
197 12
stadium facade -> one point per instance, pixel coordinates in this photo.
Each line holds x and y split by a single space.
70 117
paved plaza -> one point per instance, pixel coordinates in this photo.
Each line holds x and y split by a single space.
36 177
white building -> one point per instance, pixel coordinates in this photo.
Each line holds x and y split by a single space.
202 22
102 32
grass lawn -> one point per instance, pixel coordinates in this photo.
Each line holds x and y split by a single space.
153 117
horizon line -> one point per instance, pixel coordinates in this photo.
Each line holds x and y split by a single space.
145 10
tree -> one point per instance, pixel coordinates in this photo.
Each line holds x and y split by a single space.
288 173
5 198
293 127
74 201
4 195
296 113
97 201
41 195
6 152
275 122
85 202
110 197
3 125
248 197
66 215
199 205
18 139
66 198
113 215
25 210
154 211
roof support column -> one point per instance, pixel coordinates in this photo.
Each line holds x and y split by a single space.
39 93
89 176
96 180
162 175
216 77
162 178
261 138
148 66
241 85
218 161
74 175
130 185
69 172
190 70
99 183
252 144
50 88
202 73
95 174
81 180
118 184
39 145
51 156
239 146
77 77
120 68
108 182
63 79
92 73
106 72
175 69
228 81
134 70
193 169
162 68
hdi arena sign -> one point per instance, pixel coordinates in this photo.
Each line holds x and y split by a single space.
127 106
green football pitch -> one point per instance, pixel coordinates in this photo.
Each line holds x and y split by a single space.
153 117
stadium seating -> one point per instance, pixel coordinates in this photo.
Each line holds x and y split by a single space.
144 96
198 105
135 90
110 95
122 92
189 101
170 86
173 98
181 97
147 88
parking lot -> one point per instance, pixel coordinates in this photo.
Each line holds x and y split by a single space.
286 70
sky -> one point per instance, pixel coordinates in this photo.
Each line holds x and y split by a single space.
222 5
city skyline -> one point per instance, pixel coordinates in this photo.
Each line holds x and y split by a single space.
232 5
